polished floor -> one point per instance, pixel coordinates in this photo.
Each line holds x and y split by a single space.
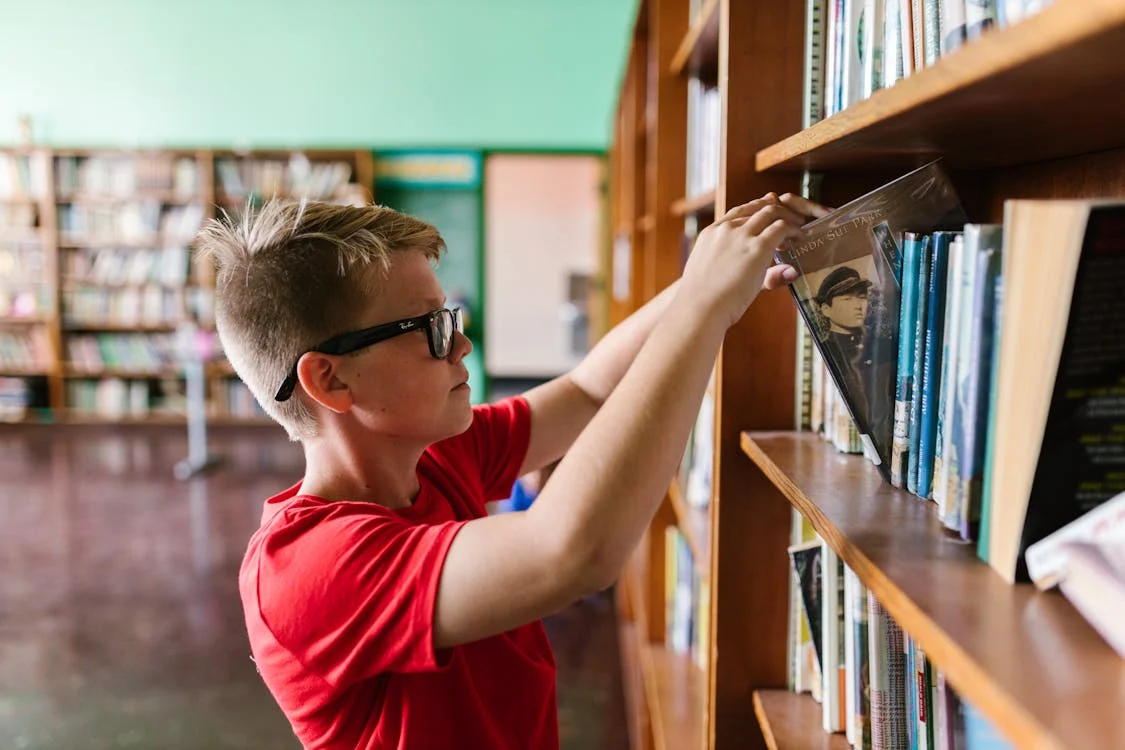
120 624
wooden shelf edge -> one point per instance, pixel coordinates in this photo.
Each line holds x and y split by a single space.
954 622
705 26
694 204
793 720
1058 26
695 523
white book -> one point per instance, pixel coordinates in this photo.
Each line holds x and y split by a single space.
1105 524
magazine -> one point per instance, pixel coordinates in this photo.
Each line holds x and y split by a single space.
850 266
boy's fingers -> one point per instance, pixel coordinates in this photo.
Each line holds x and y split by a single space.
747 209
779 276
804 206
777 232
757 223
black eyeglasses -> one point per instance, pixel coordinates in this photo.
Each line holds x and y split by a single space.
439 325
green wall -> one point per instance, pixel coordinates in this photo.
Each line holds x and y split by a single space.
281 73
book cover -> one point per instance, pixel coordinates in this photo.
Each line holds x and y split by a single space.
932 362
806 561
848 291
918 360
1094 582
1046 559
887 679
1061 381
947 390
975 425
990 432
913 250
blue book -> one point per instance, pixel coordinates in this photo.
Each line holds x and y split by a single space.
900 443
925 259
975 414
933 362
980 734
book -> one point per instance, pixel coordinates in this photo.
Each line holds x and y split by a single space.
887 678
848 290
1094 582
932 362
1061 410
918 361
914 247
806 561
1046 559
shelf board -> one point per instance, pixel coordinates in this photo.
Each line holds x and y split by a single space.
793 720
1026 659
163 196
695 523
117 328
23 320
87 418
698 53
694 204
152 243
1044 88
18 372
117 372
676 693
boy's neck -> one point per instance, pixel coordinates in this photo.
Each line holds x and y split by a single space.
381 471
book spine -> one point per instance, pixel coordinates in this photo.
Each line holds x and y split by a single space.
953 23
931 11
874 54
814 86
922 297
903 396
930 387
974 424
953 448
990 431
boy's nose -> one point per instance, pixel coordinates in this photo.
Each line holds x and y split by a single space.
462 345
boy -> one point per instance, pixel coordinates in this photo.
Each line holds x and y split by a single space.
384 608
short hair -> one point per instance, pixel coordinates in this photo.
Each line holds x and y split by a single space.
292 274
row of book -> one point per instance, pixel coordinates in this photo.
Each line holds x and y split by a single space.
151 305
23 176
15 399
872 679
130 352
820 407
687 600
118 398
230 397
27 350
112 266
22 261
861 46
28 300
704 120
982 364
141 222
127 175
297 177
18 219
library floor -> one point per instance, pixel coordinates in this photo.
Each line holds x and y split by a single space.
120 623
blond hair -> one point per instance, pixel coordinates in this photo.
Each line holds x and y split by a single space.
291 275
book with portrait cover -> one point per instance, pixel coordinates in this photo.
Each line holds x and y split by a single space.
849 285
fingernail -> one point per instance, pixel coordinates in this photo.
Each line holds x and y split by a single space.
789 274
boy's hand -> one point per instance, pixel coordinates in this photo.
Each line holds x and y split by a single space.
729 264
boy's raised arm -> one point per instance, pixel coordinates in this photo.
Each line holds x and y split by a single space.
504 571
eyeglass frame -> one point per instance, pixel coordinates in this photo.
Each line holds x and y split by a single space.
353 341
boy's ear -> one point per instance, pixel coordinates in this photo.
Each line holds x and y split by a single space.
317 374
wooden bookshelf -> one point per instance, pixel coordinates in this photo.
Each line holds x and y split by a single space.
1029 111
78 199
698 53
791 720
694 204
1045 88
695 523
1025 658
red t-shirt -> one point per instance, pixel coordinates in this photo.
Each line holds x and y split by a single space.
339 603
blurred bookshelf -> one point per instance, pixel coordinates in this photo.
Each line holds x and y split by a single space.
97 277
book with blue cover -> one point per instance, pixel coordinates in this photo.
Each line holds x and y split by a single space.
933 362
918 359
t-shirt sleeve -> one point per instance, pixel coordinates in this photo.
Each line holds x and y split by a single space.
352 595
498 440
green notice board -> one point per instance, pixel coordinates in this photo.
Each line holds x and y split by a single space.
448 196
